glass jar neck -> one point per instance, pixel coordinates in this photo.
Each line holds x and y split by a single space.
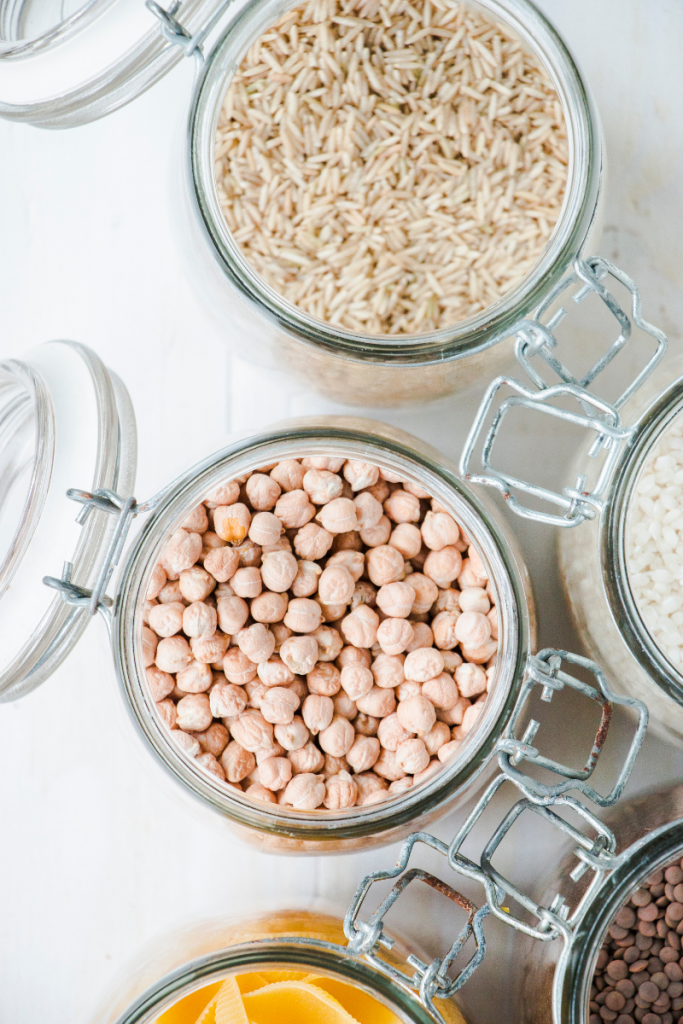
487 328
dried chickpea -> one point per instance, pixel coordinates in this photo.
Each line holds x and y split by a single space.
337 739
265 529
480 655
329 642
199 619
470 717
338 516
437 736
448 750
238 668
394 635
225 494
303 615
387 670
248 552
222 563
369 513
194 712
387 766
473 629
369 784
356 681
378 535
407 540
182 551
474 599
385 564
353 656
439 530
321 486
378 703
209 763
294 735
160 683
252 731
258 792
412 756
363 753
196 521
188 744
227 700
232 613
324 679
196 584
336 585
300 654
423 664
391 733
306 759
237 762
289 474
341 791
275 672
469 577
432 767
214 740
344 706
173 654
334 765
451 660
166 619
305 582
274 773
396 599
441 691
231 522
454 715
492 616
317 712
257 642
352 561
196 678
471 679
443 566
443 626
416 715
247 582
279 706
402 507
305 792
407 689
269 607
364 593
360 627
262 491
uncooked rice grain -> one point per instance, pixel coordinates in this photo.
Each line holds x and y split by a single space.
391 168
654 542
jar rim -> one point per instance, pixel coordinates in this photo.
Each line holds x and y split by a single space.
287 952
613 543
389 447
463 338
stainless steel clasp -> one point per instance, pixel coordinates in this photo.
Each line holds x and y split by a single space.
175 33
430 980
536 337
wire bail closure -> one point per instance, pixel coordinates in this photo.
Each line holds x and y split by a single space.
536 337
177 34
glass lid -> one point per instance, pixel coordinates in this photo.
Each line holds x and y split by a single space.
65 422
68 62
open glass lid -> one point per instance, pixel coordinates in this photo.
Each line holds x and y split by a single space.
65 421
67 62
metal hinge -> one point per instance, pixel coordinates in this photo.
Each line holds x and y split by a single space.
125 509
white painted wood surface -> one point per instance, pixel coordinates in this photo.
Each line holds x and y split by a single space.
97 854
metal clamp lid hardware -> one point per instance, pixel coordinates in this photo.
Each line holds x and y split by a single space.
536 337
598 853
172 30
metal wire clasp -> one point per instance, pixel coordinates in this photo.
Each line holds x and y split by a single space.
366 938
536 337
175 33
105 501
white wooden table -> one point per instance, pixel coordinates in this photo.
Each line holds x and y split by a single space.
97 855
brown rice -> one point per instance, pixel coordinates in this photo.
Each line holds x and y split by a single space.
388 167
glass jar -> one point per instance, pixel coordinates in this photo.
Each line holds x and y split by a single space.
94 443
111 50
556 982
595 510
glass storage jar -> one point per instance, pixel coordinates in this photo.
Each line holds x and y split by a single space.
111 50
595 509
76 425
